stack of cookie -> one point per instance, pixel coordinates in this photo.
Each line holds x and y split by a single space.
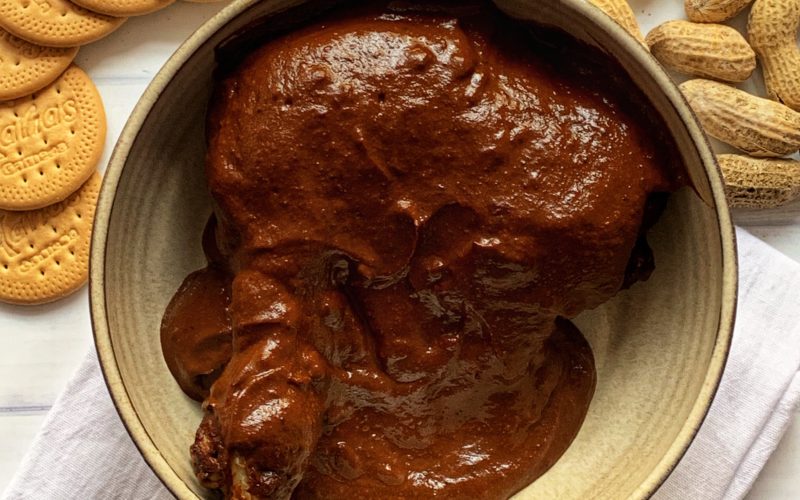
52 133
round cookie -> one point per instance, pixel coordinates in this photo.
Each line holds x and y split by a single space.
123 7
55 23
50 142
44 254
26 68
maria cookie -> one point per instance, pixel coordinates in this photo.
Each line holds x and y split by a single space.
26 67
124 7
55 23
44 254
50 142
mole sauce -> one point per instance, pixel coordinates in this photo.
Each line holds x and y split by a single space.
410 202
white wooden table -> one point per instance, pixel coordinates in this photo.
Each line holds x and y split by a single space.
40 347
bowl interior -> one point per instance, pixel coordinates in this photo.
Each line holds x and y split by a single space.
659 347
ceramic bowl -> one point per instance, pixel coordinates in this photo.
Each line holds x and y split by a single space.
660 347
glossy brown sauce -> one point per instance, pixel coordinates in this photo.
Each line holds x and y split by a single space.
410 202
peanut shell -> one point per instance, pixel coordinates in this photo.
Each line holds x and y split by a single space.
706 50
757 126
772 30
760 182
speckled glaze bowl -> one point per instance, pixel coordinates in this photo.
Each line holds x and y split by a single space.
660 347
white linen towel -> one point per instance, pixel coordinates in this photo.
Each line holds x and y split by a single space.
83 451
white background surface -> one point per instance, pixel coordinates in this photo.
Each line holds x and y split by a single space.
41 346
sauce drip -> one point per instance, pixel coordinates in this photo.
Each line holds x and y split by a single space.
412 200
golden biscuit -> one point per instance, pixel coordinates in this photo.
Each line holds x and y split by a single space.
55 23
50 142
123 8
44 254
26 67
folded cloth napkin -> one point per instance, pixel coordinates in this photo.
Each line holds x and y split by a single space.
83 451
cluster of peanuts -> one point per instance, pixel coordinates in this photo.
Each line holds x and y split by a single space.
765 129
52 136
